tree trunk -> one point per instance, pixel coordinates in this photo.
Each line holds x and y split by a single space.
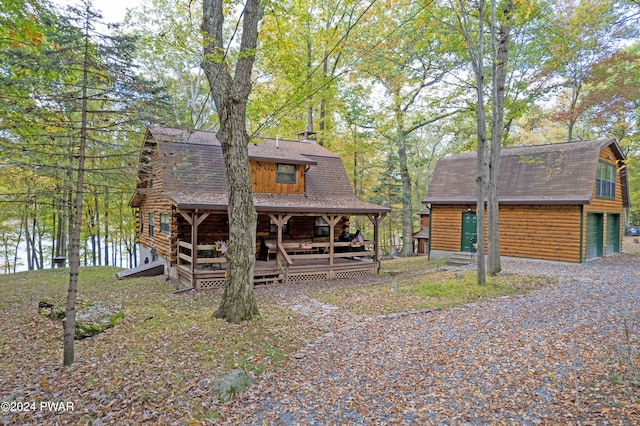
499 78
74 258
37 232
230 95
27 238
96 221
92 234
475 48
106 227
407 204
309 127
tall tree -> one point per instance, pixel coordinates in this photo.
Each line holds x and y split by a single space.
409 65
170 52
500 31
230 93
299 74
474 36
76 98
588 31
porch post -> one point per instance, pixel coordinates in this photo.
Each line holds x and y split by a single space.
279 220
332 221
194 248
376 220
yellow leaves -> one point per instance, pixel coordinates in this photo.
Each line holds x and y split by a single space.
44 383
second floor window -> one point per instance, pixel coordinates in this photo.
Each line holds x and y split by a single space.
286 173
606 180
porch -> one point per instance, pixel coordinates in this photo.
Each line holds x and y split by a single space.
295 262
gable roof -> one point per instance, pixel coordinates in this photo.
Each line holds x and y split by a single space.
193 173
563 173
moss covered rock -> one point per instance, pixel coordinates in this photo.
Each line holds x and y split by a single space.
95 318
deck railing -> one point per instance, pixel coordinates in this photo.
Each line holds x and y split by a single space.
298 262
292 250
208 254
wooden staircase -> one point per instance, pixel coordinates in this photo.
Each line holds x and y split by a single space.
461 258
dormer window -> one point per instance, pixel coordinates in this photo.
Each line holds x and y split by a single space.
286 173
606 180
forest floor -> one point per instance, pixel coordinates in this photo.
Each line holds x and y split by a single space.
544 343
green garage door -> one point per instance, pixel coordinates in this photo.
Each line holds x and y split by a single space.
595 234
613 233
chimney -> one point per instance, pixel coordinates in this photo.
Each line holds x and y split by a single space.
307 136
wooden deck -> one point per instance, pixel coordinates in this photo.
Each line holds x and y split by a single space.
211 271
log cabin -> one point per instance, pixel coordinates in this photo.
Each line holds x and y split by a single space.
301 193
562 202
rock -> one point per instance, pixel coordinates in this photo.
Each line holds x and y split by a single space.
49 309
234 383
96 318
57 313
45 304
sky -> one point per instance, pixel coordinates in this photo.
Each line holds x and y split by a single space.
112 10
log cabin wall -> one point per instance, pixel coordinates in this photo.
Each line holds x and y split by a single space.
154 202
538 232
605 205
302 227
214 228
263 227
263 179
446 226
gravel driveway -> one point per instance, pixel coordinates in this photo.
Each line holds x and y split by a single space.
545 358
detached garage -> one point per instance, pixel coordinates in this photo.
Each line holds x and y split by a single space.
557 202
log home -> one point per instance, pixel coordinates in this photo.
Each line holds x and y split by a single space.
301 193
561 202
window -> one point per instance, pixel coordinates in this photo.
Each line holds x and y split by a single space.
273 228
164 223
286 173
606 180
321 228
151 224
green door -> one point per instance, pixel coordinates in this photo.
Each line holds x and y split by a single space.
595 235
613 233
469 231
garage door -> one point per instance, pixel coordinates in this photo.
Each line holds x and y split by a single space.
594 235
613 233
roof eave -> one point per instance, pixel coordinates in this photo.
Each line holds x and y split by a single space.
512 201
282 160
285 209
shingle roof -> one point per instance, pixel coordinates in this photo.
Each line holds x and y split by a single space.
562 173
193 173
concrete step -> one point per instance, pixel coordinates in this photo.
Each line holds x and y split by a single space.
461 258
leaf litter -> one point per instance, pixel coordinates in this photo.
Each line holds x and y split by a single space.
557 355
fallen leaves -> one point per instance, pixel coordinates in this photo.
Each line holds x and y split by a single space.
509 360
